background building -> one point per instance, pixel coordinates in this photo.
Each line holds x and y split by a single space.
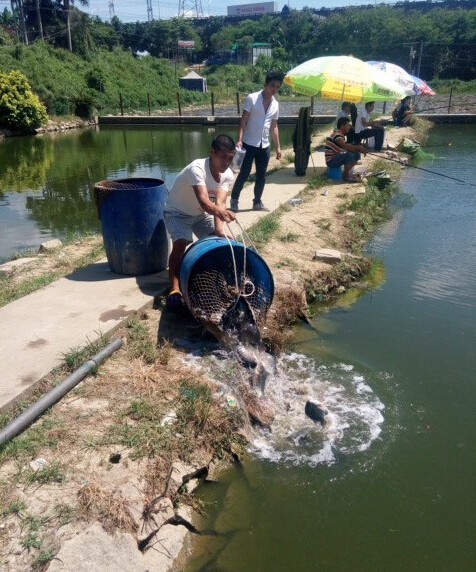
252 9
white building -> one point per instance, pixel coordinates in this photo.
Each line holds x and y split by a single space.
253 9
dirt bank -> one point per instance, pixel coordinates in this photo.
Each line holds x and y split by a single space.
104 479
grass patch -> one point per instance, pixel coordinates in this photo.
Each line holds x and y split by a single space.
323 224
16 506
368 210
265 229
76 357
50 474
97 503
10 292
289 237
322 286
40 562
139 343
16 286
287 263
47 433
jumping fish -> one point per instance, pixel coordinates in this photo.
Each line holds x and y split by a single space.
315 412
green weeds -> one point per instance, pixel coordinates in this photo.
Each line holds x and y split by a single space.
266 228
10 291
289 237
139 343
53 473
76 357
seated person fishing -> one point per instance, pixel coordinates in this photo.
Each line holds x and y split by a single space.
338 152
365 127
345 111
196 205
404 114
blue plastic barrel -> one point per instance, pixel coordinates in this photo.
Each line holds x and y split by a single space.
208 277
334 173
132 221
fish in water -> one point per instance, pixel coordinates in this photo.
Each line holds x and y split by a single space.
315 412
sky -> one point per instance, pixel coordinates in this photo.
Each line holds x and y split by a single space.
136 10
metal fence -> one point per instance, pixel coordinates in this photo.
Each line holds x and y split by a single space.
439 104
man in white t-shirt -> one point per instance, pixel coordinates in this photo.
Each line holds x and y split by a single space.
196 204
365 127
259 119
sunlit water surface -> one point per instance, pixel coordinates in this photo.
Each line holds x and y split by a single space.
47 182
388 482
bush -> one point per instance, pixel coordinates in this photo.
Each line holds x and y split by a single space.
20 108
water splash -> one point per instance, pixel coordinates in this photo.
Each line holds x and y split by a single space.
353 422
355 413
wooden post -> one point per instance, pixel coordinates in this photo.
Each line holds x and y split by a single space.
179 105
312 105
121 105
213 103
148 101
238 103
384 108
449 102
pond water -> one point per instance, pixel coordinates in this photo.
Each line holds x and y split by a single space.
389 483
47 182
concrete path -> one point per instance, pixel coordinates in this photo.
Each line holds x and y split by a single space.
39 329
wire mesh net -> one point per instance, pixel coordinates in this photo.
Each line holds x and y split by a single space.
222 290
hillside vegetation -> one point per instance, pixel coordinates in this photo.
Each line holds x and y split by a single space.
95 66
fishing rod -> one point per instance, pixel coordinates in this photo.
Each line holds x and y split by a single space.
422 169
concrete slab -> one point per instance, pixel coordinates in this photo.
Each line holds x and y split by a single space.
39 329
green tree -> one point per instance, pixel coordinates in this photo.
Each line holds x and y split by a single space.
20 108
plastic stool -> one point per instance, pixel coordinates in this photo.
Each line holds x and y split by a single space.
334 173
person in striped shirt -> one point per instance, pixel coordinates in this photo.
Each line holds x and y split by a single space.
338 152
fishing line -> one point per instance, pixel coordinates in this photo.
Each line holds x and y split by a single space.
422 169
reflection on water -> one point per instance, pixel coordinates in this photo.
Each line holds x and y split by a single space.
47 182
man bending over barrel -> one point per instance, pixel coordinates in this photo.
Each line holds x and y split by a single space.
197 205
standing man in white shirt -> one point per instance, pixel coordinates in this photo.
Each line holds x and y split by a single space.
260 117
196 205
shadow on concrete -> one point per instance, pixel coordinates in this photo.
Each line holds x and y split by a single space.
150 284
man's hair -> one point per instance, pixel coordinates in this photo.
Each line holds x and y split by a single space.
223 143
342 121
345 104
274 76
369 103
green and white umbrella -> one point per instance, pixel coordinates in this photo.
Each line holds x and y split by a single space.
343 78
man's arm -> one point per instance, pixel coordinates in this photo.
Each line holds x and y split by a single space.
340 141
243 123
275 135
221 203
217 210
369 123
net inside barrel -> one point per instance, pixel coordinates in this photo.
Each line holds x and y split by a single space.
212 291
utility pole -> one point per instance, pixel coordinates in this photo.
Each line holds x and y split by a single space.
419 59
412 57
111 9
190 8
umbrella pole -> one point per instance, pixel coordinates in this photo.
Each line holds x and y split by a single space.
312 161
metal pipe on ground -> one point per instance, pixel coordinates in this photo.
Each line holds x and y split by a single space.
26 418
